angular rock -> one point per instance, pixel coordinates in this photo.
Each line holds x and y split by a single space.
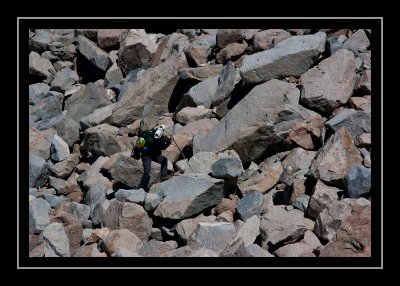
103 140
40 67
46 108
357 182
41 40
336 158
290 57
39 215
64 79
242 130
231 52
249 205
330 84
134 218
86 101
356 122
186 227
136 50
267 39
200 73
276 219
65 127
93 53
108 38
153 88
214 236
200 94
227 168
38 171
196 127
264 181
322 197
363 140
288 235
301 203
129 171
201 162
228 77
252 250
133 196
81 211
37 92
54 234
73 229
63 64
330 218
122 238
64 168
99 116
306 133
353 238
249 232
227 36
185 196
173 152
59 149
358 42
293 250
200 49
227 204
55 201
151 201
190 114
171 44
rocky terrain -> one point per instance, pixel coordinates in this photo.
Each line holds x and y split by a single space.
275 125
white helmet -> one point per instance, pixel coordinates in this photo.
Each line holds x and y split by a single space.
159 131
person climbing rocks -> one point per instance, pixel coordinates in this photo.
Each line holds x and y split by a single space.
149 147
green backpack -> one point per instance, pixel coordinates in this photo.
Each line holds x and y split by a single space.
148 136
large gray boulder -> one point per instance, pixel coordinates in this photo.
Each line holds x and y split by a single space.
93 53
97 117
86 101
185 196
38 171
136 50
331 83
59 149
103 140
336 158
152 88
129 171
226 168
258 124
39 215
290 57
186 227
249 205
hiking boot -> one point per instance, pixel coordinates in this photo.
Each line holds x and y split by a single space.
163 178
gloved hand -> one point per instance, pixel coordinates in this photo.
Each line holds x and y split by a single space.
135 154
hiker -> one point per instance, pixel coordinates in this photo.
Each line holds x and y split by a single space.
148 147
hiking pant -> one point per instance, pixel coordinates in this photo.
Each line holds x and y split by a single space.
146 159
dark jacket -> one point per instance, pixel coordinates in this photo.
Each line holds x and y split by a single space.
153 149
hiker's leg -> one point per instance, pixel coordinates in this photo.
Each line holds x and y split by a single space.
146 159
164 165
